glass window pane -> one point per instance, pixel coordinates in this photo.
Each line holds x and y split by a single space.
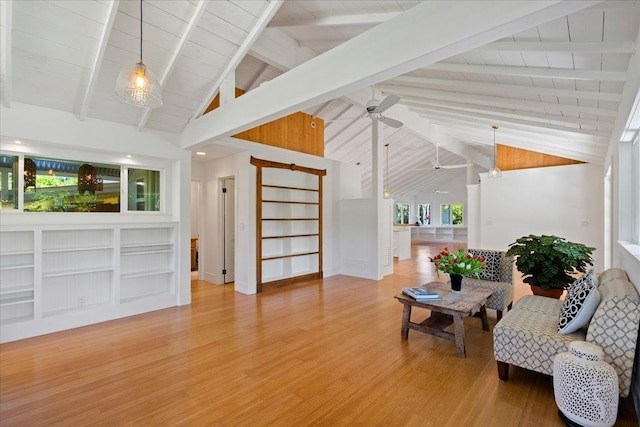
144 190
402 213
8 182
445 214
424 214
70 186
456 214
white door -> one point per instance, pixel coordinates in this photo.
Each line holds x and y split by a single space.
229 200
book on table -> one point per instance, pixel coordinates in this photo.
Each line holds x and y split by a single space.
421 294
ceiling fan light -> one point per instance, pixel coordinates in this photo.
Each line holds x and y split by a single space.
139 87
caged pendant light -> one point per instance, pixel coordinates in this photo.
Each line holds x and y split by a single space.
137 85
494 172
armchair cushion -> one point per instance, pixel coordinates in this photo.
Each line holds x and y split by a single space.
500 268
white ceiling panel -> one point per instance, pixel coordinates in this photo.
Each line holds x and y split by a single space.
549 87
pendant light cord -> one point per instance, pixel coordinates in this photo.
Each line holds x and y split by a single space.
495 152
140 30
494 148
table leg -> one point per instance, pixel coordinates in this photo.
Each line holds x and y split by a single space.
459 332
483 318
406 315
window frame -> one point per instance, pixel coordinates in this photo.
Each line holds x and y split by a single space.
124 167
425 207
397 213
450 207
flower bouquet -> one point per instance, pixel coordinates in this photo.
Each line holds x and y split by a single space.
457 264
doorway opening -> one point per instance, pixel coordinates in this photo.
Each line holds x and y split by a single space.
195 230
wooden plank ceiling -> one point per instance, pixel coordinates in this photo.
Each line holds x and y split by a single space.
558 86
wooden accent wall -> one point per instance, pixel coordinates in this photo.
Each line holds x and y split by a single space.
297 132
511 158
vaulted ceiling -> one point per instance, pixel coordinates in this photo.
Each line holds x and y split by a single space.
556 77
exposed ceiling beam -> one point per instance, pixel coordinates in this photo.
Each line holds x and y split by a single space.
257 76
629 95
422 95
322 44
341 131
509 88
520 136
540 72
175 57
253 35
575 47
327 123
339 21
430 111
503 113
478 125
279 50
374 56
320 109
509 112
5 44
97 60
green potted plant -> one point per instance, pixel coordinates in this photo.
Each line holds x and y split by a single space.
547 262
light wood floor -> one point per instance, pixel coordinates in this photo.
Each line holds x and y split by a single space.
328 353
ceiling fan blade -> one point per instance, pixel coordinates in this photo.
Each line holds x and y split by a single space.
455 166
387 103
391 122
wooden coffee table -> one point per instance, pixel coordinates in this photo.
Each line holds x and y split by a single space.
450 308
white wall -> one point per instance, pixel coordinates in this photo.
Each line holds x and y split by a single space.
195 206
342 181
56 134
566 201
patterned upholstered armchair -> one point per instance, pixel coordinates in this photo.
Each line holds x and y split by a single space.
497 277
528 335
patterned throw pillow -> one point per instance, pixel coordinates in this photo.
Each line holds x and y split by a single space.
580 303
491 264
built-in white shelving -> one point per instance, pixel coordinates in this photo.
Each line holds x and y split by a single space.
17 281
57 277
289 222
77 268
146 262
442 233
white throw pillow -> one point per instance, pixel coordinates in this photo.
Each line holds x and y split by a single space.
581 302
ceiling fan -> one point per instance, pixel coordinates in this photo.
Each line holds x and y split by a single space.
436 162
375 108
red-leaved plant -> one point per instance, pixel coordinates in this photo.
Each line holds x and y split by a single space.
458 262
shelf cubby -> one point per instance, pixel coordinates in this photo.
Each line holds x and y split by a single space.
289 222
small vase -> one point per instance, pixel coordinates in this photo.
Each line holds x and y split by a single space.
456 282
